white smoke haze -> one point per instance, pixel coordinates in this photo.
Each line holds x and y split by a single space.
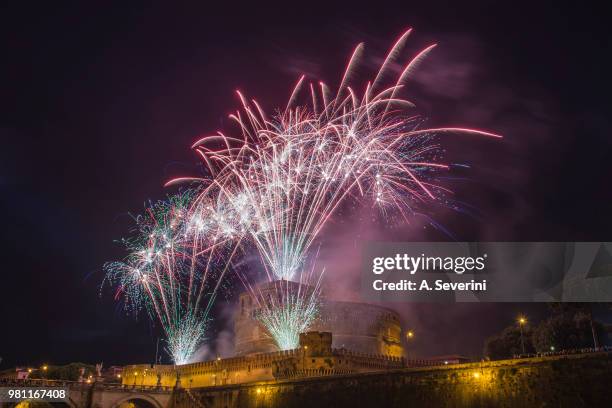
221 343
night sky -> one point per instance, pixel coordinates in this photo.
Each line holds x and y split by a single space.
100 106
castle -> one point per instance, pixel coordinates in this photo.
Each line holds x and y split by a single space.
346 338
359 327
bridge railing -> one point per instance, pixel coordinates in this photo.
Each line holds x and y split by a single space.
28 382
38 382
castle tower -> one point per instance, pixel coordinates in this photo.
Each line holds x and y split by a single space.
360 327
249 335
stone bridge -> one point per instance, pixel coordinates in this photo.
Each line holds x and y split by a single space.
581 380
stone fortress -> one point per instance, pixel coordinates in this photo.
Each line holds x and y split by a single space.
359 327
346 338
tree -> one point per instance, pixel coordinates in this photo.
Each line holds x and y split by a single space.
508 343
568 328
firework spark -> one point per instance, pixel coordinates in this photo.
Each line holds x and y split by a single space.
178 256
287 174
294 170
288 311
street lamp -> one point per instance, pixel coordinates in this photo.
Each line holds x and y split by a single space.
522 320
409 334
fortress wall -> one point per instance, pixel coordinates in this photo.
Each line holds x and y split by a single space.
313 361
569 381
258 367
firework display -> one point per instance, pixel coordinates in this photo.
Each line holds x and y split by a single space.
294 169
178 255
275 184
287 174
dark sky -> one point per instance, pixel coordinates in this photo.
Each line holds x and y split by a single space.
100 106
